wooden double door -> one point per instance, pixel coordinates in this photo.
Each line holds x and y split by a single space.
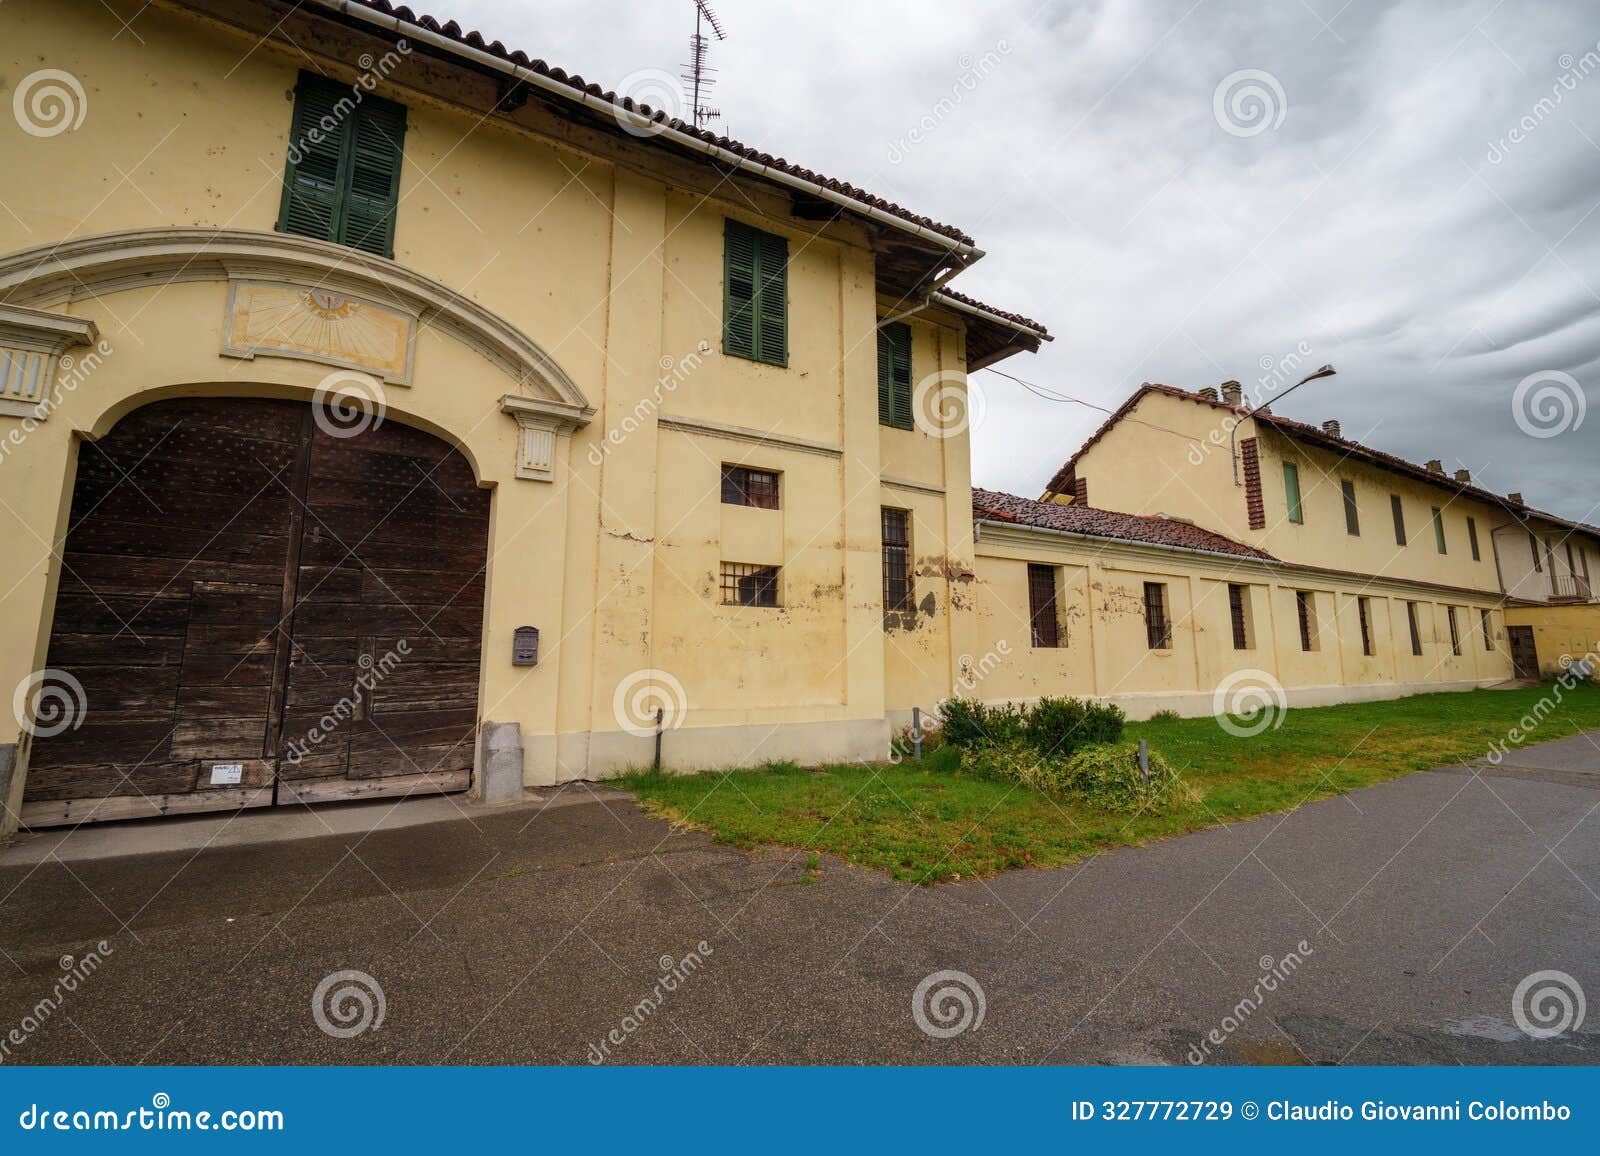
257 606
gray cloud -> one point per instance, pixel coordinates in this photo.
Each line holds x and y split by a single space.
1391 222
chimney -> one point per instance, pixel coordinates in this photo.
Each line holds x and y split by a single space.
1331 428
1233 393
1515 498
1464 476
1435 466
1209 393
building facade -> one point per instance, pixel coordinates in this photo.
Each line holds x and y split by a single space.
371 388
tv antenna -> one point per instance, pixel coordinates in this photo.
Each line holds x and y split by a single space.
699 76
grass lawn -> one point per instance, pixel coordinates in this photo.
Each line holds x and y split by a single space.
928 822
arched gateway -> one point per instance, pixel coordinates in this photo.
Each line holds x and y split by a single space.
263 604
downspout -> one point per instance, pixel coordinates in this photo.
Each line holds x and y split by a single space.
968 252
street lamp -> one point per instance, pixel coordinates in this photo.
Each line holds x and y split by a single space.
1233 434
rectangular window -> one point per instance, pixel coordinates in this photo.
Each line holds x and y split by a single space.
755 308
1157 627
894 375
1488 629
1291 491
1455 631
1352 517
742 486
1438 529
1305 605
1533 547
1416 634
1399 520
746 585
1472 539
896 559
1572 562
341 181
1239 613
1042 605
1364 611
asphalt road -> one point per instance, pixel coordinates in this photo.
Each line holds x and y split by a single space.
1393 925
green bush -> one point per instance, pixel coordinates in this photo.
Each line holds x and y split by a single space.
1108 776
1059 726
942 761
968 724
1000 761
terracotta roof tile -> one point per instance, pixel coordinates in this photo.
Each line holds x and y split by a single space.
1315 435
473 39
1094 523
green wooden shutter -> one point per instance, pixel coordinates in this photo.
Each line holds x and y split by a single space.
313 175
342 179
1291 491
373 192
894 375
772 299
739 290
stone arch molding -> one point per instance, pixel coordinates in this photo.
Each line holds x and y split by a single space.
274 278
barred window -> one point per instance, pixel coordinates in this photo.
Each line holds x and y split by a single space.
1416 634
897 593
1158 628
1364 612
1306 606
1488 631
747 585
1455 631
742 486
1238 612
1042 605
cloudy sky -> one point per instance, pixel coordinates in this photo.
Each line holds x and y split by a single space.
1405 190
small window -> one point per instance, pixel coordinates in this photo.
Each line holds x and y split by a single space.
1364 612
1488 629
1306 607
1533 547
897 592
1352 516
1399 519
1157 627
746 585
1042 614
894 375
1291 491
1455 630
742 486
1472 539
1416 633
1438 529
1239 613
341 180
755 310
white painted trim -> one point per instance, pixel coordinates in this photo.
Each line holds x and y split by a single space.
915 487
89 267
739 433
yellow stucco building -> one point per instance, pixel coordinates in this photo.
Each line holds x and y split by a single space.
384 411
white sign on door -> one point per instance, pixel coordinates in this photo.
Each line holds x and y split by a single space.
226 773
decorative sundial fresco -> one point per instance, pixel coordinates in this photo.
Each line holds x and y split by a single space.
318 324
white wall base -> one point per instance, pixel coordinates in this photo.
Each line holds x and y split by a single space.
1193 704
552 759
